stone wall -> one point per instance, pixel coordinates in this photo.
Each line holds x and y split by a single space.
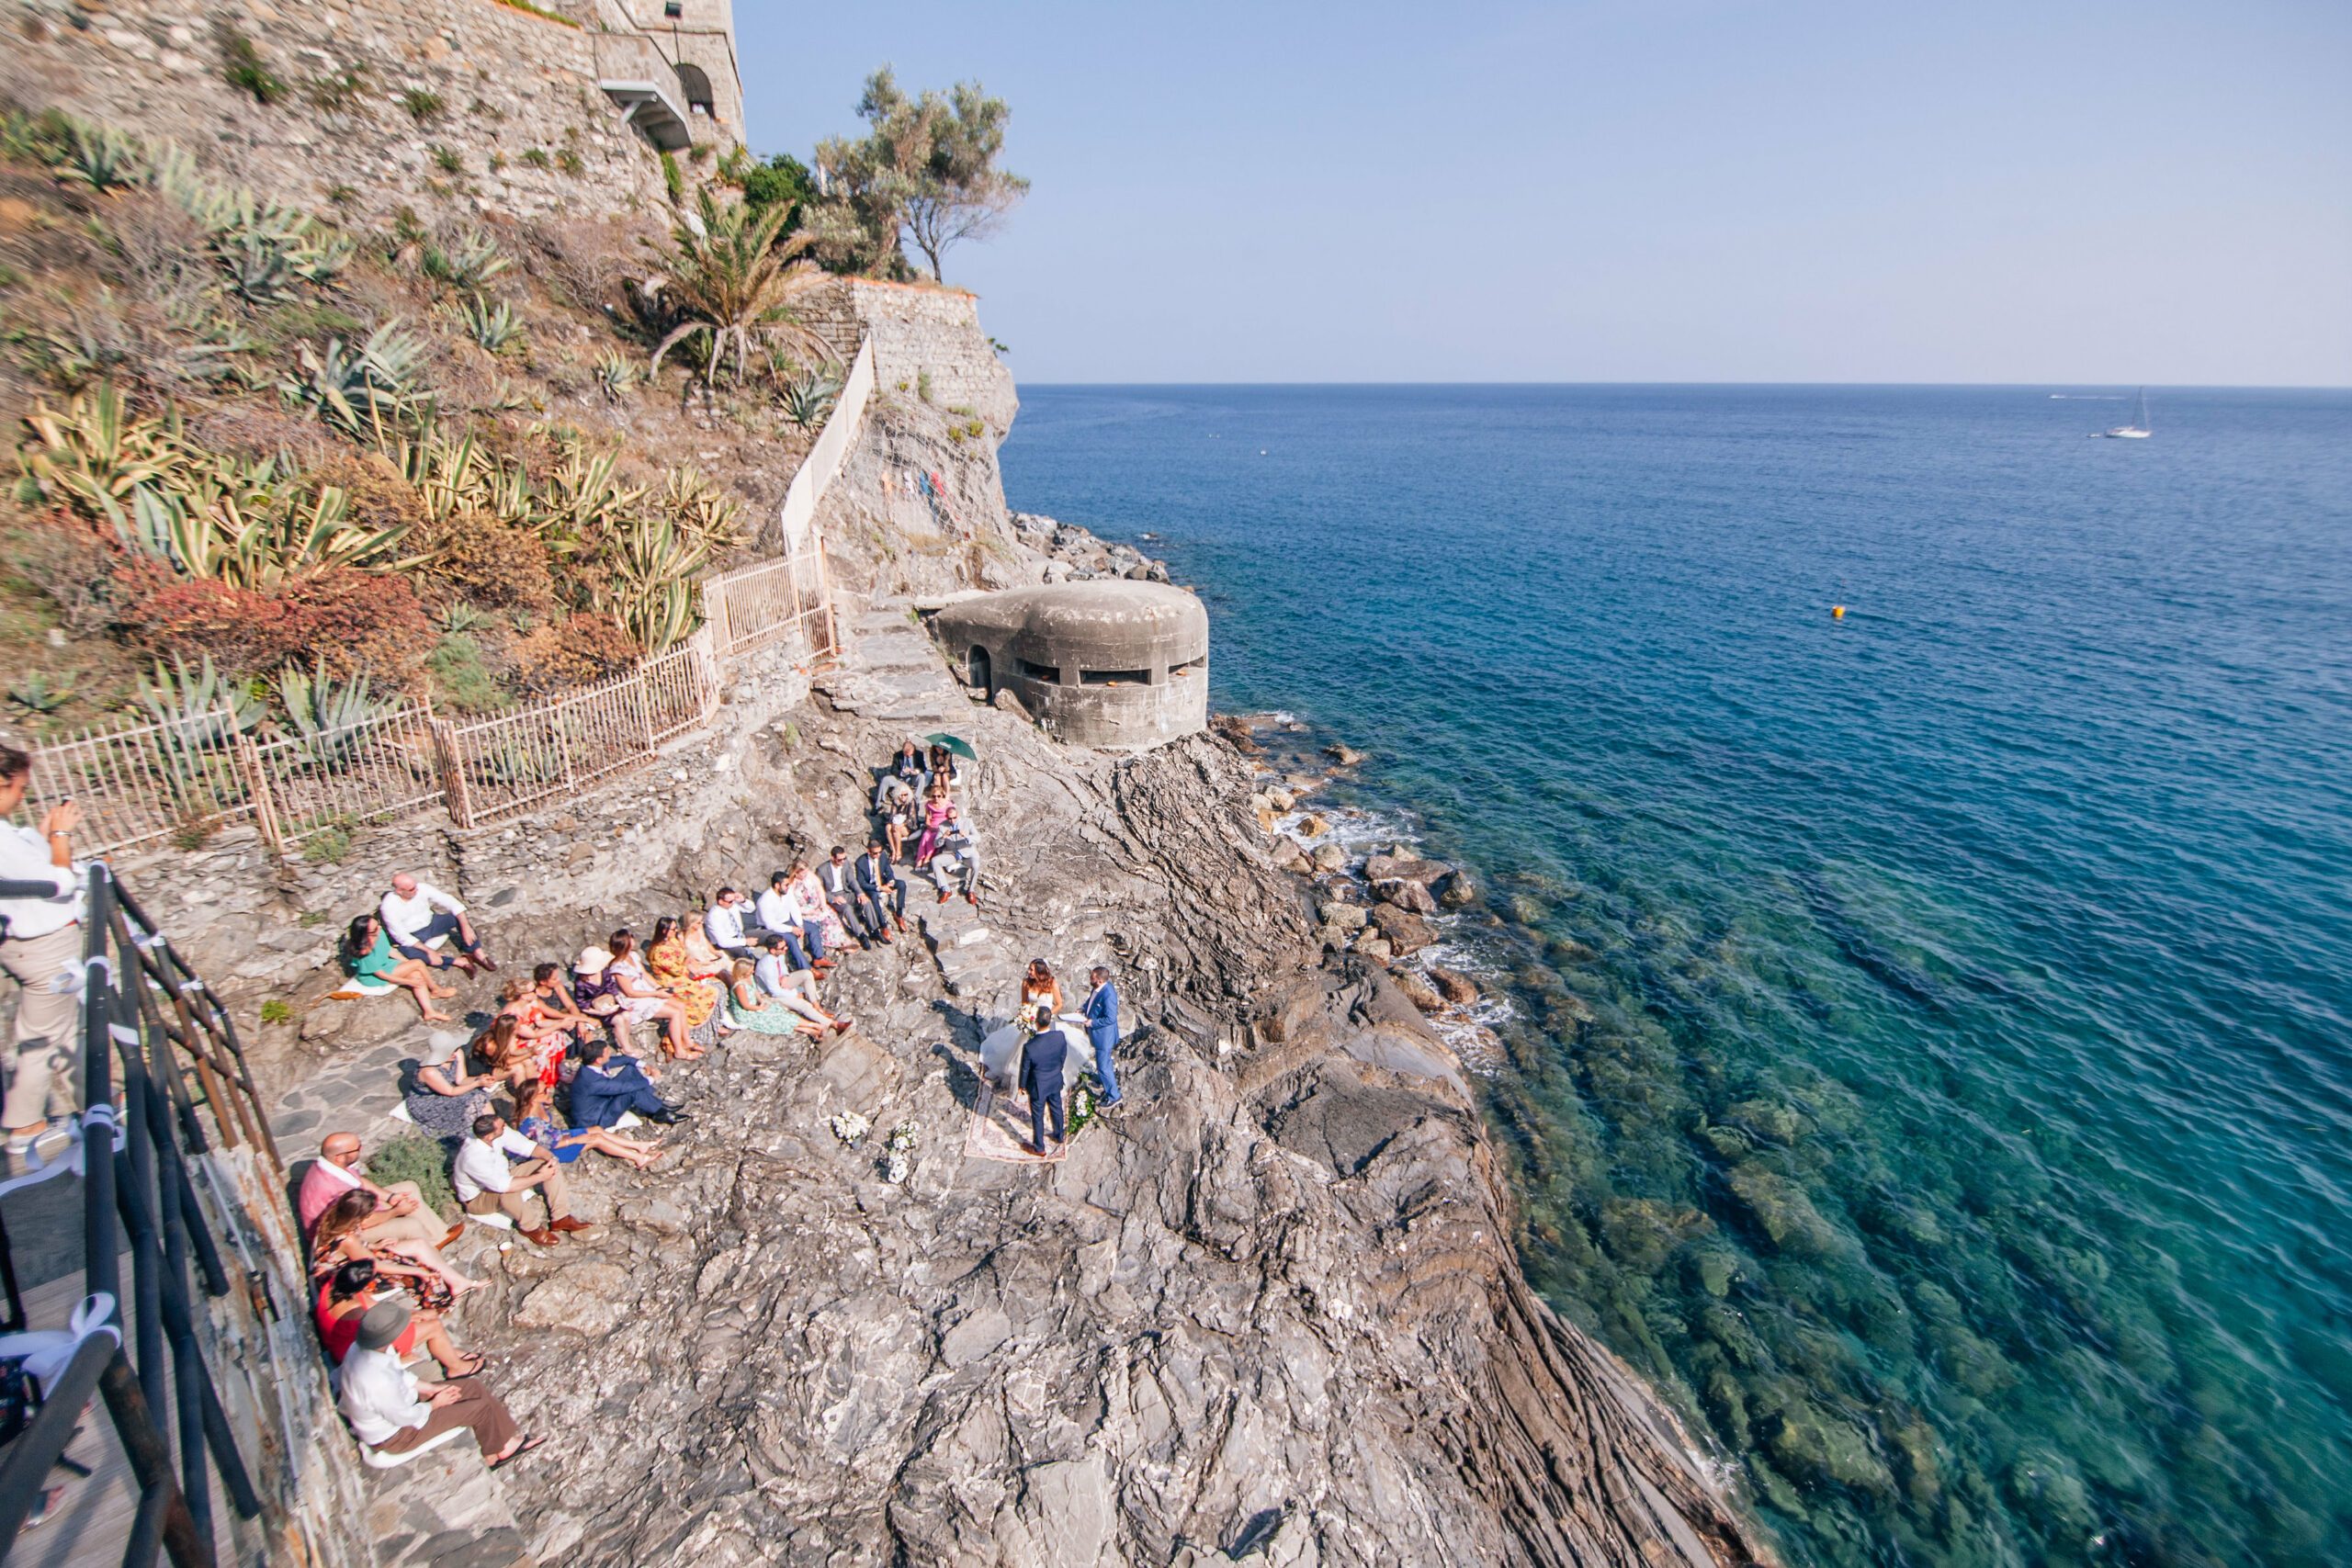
511 86
918 330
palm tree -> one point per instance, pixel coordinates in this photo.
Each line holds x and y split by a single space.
734 279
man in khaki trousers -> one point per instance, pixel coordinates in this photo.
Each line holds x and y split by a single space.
42 952
497 1168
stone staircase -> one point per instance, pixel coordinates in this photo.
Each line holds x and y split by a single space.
893 672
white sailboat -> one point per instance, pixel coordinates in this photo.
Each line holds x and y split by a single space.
2138 429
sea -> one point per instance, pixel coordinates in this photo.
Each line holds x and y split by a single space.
1921 1037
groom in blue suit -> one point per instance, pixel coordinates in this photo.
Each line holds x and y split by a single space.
1103 1029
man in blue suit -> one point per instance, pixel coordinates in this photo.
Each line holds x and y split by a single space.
1041 1074
608 1084
881 890
1103 1029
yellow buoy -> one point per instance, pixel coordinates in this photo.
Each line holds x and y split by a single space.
1837 611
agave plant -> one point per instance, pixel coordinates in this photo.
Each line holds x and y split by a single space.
93 454
359 388
467 262
735 277
495 326
704 513
102 158
809 398
614 373
327 716
582 501
198 710
647 581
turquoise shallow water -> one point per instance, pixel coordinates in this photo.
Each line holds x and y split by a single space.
1930 1038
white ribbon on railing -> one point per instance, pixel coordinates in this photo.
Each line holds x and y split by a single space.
49 1351
73 1159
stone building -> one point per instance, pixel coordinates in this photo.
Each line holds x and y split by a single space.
1116 664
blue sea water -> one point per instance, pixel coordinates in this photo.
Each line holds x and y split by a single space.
1928 1051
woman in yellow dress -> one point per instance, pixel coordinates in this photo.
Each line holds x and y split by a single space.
671 967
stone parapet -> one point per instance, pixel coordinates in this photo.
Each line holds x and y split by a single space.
919 332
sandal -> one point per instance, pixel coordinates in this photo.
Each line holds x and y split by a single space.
480 1364
527 1445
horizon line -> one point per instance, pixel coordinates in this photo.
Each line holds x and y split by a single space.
1923 386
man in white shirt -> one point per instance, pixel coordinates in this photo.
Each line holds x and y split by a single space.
486 1182
415 912
41 951
956 857
723 923
391 1411
781 913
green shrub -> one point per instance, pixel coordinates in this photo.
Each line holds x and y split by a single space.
537 157
327 845
461 677
673 177
244 70
448 161
278 1011
423 107
570 162
415 1157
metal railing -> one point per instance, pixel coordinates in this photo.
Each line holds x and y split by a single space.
756 606
145 1009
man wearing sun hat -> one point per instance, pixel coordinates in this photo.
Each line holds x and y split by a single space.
391 1411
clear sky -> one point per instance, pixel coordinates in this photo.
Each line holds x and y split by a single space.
1678 190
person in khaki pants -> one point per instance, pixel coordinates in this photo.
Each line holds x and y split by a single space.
486 1183
41 951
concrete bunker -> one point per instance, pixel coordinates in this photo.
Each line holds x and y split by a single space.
1106 663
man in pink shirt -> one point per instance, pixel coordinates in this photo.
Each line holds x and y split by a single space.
400 1213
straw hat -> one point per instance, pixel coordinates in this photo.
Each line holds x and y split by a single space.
591 960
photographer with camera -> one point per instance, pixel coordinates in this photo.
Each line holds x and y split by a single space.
40 949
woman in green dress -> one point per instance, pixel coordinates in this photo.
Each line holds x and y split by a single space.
368 949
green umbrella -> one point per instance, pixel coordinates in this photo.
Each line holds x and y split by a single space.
956 743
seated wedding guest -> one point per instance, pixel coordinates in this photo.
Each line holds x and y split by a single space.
609 1083
777 974
567 1143
880 889
368 954
341 1238
546 1020
898 818
809 892
400 1213
669 965
781 915
391 1411
725 923
785 1011
446 1097
957 859
553 986
646 1000
703 962
344 1297
839 880
501 1047
942 770
936 809
497 1168
415 912
906 768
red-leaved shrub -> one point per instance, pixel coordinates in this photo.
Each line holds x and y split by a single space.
354 620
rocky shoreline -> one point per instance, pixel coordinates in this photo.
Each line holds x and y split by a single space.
1270 1306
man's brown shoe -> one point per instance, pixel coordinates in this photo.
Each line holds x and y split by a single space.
544 1237
487 961
455 1232
570 1224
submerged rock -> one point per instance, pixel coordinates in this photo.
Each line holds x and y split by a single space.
1454 986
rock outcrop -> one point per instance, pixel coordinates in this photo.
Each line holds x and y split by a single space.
1267 1305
